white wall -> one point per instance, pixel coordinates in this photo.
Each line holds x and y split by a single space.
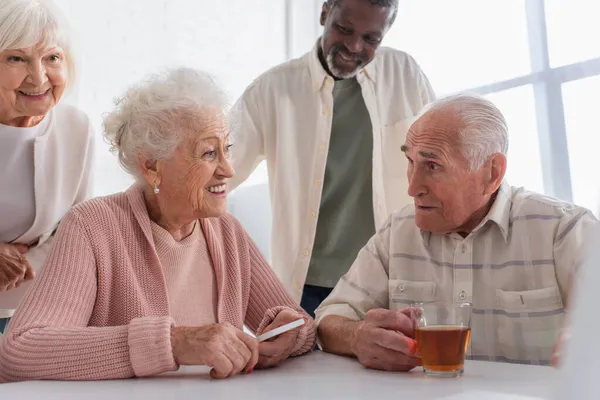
121 41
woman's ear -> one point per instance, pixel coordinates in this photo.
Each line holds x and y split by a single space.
149 170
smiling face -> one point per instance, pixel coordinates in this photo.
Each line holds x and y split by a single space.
448 195
32 81
353 30
193 182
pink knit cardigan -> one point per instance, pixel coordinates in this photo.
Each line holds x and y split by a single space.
99 309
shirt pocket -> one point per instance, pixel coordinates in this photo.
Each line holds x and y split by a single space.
404 293
394 136
528 323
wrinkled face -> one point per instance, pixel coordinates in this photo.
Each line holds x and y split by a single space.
32 81
448 196
193 183
353 30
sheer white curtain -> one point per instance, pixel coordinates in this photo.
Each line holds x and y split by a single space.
121 41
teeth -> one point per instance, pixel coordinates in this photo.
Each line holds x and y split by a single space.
217 189
33 94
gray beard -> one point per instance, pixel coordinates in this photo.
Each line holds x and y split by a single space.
337 72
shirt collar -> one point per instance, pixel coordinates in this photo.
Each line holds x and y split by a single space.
319 76
499 214
500 211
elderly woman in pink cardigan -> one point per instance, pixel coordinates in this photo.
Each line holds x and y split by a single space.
141 282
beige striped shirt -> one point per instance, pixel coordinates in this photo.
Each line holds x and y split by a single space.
515 268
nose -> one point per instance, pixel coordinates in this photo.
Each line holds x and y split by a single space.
416 183
225 168
354 44
37 74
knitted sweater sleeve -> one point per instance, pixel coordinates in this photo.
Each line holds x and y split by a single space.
268 297
49 336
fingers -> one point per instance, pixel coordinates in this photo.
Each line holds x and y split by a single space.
29 273
279 345
394 340
253 346
21 248
399 365
275 351
222 367
396 321
238 355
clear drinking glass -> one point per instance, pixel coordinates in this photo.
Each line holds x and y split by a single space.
442 332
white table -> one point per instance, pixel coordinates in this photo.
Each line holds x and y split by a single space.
314 376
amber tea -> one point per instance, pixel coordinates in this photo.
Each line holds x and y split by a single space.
443 347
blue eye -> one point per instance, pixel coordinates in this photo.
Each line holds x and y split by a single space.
434 166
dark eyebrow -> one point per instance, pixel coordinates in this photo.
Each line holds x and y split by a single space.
404 148
428 154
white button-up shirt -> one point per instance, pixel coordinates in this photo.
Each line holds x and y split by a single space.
285 117
515 268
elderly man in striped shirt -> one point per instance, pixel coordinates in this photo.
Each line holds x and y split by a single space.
469 237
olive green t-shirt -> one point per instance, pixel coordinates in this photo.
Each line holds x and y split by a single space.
346 219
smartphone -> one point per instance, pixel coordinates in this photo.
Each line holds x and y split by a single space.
282 329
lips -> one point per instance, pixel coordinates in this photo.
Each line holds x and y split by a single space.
425 208
34 94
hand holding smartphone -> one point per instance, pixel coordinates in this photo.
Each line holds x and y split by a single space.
282 329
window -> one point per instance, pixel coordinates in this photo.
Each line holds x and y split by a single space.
518 107
583 138
537 61
572 30
463 43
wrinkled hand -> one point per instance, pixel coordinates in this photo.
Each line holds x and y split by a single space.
273 351
223 347
385 341
14 267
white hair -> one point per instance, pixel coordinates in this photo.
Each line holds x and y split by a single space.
152 117
484 131
26 23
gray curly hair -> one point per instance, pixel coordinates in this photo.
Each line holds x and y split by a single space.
151 118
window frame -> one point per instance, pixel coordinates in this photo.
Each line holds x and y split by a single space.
546 81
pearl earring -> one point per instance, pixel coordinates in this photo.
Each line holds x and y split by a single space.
156 189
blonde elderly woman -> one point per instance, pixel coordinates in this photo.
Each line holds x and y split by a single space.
45 147
140 282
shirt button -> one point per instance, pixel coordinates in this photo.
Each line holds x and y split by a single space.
317 181
322 148
326 112
305 252
313 214
463 248
401 287
462 295
298 286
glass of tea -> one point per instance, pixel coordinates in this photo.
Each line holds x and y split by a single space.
442 332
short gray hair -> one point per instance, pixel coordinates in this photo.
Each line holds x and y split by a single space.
393 4
25 23
151 118
484 130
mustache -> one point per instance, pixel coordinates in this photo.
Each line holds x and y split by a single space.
358 57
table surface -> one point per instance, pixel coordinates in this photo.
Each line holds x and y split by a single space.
313 376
